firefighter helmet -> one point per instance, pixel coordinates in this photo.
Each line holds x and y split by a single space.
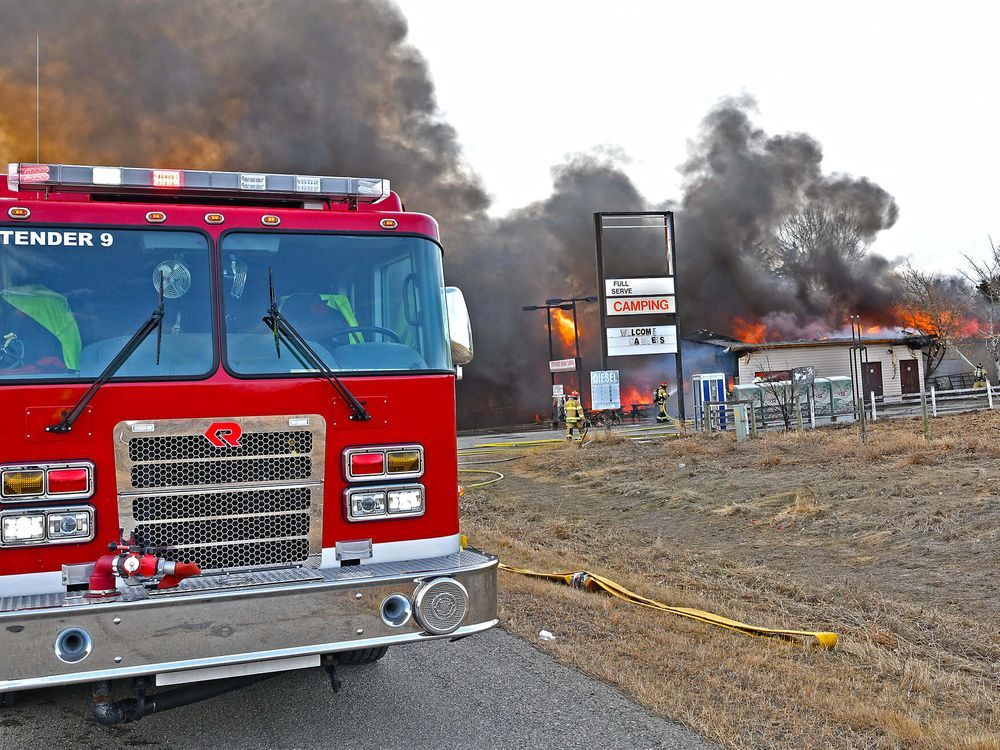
574 394
663 384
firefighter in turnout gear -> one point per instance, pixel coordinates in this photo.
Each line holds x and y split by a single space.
660 396
979 376
574 415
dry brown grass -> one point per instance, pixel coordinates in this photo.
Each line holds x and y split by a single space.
894 543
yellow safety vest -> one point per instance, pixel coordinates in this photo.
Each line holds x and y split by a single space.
574 412
341 304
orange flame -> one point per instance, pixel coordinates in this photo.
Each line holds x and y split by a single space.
924 322
632 395
750 331
563 327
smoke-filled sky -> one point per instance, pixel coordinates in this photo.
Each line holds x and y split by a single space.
902 92
341 87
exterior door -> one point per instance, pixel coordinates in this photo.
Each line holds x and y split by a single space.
872 379
909 375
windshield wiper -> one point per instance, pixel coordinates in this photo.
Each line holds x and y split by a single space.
284 331
153 323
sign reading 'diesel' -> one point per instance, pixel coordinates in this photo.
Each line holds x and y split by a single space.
605 390
562 365
642 340
647 287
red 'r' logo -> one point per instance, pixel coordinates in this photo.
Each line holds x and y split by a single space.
224 434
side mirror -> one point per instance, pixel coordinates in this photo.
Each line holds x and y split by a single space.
459 326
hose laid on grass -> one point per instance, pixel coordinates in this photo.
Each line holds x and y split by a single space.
518 443
592 582
496 452
497 476
487 461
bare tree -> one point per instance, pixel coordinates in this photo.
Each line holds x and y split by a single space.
935 306
807 240
984 275
776 385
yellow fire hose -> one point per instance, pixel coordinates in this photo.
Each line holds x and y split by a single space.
497 476
587 581
520 443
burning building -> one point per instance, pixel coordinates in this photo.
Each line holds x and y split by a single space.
892 365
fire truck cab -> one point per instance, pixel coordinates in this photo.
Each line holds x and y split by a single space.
228 441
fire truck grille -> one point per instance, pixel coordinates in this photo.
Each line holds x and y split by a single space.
172 447
228 529
241 555
244 502
256 504
228 471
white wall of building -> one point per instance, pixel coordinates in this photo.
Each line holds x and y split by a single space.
832 360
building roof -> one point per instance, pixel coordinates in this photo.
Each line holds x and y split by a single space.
705 336
912 340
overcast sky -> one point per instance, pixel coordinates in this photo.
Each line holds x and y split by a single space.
902 93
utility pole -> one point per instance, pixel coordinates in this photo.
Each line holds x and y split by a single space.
562 305
549 307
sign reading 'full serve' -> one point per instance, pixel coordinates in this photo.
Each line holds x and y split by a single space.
647 287
646 296
642 296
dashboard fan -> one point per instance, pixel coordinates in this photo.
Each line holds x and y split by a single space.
176 278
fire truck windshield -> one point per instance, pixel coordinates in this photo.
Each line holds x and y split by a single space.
363 303
71 297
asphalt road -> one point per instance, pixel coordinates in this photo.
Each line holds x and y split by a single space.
634 430
488 691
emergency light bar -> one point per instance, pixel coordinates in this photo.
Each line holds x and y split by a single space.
193 181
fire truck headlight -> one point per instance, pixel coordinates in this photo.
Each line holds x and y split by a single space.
69 525
23 528
406 502
366 504
380 503
46 526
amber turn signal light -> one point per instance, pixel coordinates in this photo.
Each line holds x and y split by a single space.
23 483
403 462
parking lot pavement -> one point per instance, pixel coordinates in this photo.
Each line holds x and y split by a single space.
487 691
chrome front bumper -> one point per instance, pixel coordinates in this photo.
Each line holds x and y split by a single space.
210 623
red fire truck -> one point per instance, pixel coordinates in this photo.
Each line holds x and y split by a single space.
228 440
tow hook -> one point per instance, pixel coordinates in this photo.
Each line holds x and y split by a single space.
129 560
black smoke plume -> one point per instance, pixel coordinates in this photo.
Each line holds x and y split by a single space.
743 189
297 86
331 86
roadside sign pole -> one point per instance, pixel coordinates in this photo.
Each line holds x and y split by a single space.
599 232
579 361
672 250
548 318
668 217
